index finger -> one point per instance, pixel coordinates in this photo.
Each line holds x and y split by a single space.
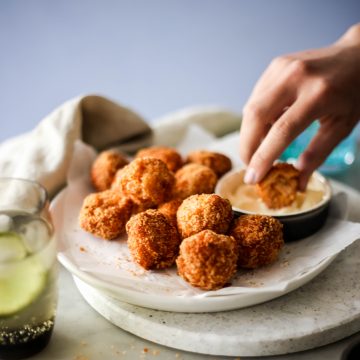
273 93
296 119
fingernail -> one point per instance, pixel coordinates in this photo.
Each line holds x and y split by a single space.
250 176
299 164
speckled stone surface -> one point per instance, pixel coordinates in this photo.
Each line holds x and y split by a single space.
323 311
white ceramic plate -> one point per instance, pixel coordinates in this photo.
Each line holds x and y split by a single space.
170 302
191 304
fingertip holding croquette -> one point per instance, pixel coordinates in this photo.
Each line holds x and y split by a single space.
105 214
207 260
219 163
194 179
168 155
152 240
259 239
104 168
201 212
280 185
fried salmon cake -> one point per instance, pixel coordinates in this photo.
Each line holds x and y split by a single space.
147 181
104 168
219 163
259 238
204 212
279 187
207 260
105 214
168 155
169 209
194 179
152 240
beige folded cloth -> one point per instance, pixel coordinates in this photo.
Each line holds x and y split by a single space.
44 153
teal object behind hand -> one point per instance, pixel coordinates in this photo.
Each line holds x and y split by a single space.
341 158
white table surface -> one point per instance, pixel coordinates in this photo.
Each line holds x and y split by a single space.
82 334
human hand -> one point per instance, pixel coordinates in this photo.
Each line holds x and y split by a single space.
294 91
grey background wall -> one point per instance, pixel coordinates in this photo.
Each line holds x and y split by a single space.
152 55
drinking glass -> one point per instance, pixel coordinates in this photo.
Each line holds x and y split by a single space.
28 272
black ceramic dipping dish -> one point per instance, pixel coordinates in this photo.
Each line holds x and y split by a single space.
297 225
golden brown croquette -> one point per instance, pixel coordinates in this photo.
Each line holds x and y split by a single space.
201 212
169 209
207 260
105 214
168 155
279 186
152 240
194 179
147 181
219 163
104 168
259 238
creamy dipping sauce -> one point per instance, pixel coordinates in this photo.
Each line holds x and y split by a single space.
245 197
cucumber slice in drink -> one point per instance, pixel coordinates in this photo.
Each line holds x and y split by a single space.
12 247
22 280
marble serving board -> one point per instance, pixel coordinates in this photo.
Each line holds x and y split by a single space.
325 310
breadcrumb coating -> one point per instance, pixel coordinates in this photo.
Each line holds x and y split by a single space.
207 260
169 209
147 181
168 155
259 238
115 185
280 185
105 214
219 163
194 179
104 168
152 240
204 212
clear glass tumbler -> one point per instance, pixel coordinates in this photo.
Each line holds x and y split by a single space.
28 271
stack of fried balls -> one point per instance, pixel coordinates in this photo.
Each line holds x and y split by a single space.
170 213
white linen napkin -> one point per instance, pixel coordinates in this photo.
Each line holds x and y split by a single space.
44 153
